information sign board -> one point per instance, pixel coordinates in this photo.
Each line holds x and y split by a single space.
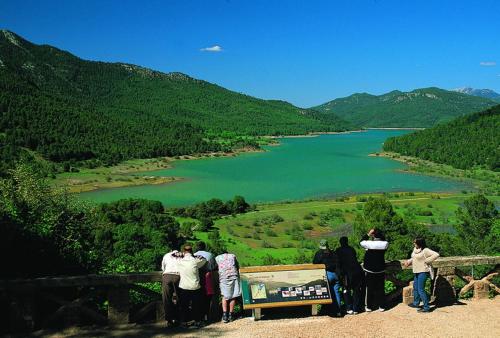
284 285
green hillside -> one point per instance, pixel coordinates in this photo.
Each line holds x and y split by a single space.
69 109
464 143
419 108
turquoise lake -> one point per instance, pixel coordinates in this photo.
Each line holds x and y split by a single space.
297 169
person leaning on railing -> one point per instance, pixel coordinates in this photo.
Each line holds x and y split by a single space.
421 258
229 283
170 286
190 300
329 258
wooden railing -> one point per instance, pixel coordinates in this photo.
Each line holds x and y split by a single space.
40 302
447 271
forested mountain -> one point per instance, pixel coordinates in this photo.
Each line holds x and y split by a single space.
487 93
69 109
419 108
466 142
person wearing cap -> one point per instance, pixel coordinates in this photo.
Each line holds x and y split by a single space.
374 266
328 257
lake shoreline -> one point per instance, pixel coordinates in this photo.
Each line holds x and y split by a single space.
395 128
123 175
316 134
119 177
474 177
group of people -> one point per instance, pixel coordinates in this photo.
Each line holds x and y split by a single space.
192 283
363 285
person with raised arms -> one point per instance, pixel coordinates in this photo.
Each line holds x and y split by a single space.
374 266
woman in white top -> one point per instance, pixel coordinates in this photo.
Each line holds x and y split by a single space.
421 258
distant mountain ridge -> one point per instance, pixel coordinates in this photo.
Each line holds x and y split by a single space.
419 108
69 109
487 93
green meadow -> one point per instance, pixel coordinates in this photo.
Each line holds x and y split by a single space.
289 233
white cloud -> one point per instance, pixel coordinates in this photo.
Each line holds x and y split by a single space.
487 63
213 49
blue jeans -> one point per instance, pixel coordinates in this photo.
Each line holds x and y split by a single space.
334 282
419 293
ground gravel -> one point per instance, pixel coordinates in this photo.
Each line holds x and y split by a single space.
479 318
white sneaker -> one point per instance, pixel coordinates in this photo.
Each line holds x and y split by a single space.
354 313
350 312
368 309
381 309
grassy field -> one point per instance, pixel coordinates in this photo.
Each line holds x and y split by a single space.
121 175
290 232
486 181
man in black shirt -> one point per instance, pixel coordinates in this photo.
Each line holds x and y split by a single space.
352 277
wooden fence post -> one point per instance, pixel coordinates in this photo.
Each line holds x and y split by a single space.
118 305
481 290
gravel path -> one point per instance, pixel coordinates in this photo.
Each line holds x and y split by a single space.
479 318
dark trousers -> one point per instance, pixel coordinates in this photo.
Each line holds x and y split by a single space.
190 305
170 290
375 293
354 292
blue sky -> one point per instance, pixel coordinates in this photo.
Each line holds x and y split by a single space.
304 52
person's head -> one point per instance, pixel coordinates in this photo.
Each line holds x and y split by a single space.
201 246
419 243
187 249
323 244
377 233
344 241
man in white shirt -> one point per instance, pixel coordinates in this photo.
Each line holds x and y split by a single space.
170 286
189 285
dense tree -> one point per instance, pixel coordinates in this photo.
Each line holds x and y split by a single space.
44 231
478 225
216 244
400 232
464 143
93 113
134 234
214 208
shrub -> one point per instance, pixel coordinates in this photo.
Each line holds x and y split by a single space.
270 232
307 227
266 244
256 235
